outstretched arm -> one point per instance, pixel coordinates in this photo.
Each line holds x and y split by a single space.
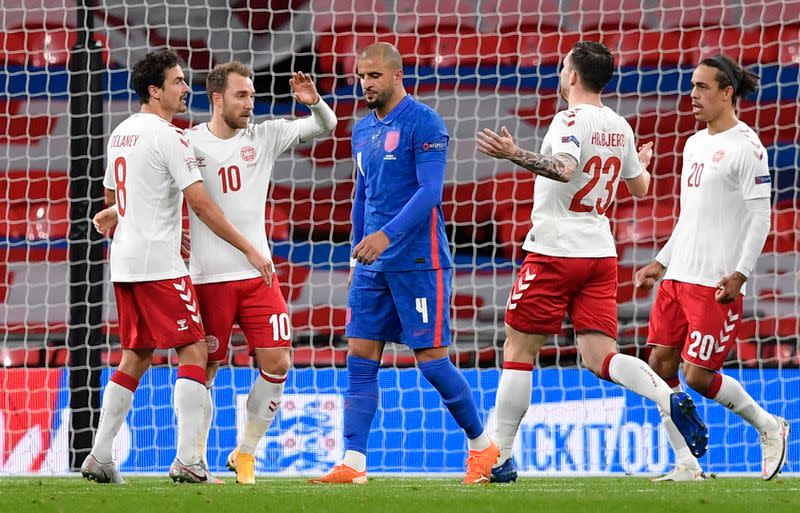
560 167
322 118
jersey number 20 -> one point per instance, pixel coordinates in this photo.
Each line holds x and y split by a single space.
596 167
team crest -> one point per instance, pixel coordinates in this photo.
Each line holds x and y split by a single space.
718 156
392 141
248 154
213 343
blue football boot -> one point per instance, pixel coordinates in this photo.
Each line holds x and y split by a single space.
505 473
684 415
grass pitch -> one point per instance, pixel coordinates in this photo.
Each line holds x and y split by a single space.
402 495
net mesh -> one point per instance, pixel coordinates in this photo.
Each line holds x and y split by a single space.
480 64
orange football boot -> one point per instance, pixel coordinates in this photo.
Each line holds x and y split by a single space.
342 474
480 463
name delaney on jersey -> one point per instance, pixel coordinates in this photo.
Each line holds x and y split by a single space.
124 141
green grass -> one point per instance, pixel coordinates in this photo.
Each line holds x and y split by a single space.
528 495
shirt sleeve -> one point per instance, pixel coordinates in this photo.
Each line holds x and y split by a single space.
280 134
179 156
108 179
631 167
566 134
430 139
754 179
759 209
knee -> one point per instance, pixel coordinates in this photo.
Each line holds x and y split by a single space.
664 361
698 379
194 354
274 361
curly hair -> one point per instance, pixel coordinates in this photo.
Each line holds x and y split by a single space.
150 71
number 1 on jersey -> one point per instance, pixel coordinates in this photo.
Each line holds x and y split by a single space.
231 179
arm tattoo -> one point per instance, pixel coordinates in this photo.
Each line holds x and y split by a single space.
559 167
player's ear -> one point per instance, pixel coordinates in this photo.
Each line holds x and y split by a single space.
155 92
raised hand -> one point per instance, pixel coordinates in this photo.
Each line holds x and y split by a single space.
304 89
646 154
496 145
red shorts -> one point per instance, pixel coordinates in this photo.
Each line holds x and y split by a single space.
548 286
259 310
688 316
160 314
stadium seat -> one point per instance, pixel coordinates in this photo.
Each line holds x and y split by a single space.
682 14
334 16
611 15
506 16
657 48
542 48
743 46
761 14
433 16
41 46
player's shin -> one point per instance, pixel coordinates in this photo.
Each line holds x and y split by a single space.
117 400
360 405
262 404
683 456
729 393
635 375
190 398
513 400
457 397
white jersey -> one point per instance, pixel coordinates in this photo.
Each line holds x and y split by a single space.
149 163
719 173
569 218
237 172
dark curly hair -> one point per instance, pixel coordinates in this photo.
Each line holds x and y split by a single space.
150 71
729 73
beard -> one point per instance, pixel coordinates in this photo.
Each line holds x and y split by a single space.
379 101
562 92
235 121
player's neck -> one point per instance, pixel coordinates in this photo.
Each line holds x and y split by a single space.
154 108
382 112
724 122
219 128
578 97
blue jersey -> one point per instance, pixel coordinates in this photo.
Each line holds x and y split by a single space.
400 162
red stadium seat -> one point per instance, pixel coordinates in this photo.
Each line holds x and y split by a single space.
41 46
506 16
743 46
658 48
545 48
690 13
433 16
761 14
611 15
334 16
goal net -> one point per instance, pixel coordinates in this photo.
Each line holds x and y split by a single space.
480 64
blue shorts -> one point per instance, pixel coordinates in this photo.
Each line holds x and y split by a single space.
412 307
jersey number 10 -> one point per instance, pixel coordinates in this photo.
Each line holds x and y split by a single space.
596 167
231 179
